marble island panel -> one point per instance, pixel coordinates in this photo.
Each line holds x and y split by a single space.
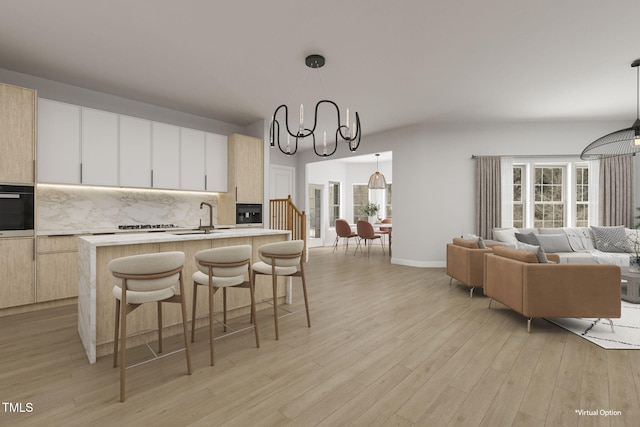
96 304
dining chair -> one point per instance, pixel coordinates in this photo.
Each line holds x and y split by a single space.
343 231
141 279
366 232
385 231
282 259
226 267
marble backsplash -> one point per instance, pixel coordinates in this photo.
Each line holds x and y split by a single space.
61 208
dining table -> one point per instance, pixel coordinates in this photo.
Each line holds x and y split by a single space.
380 226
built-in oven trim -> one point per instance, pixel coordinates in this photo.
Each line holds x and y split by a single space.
249 225
17 233
18 191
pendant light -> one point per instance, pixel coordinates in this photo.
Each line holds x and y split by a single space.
624 141
377 180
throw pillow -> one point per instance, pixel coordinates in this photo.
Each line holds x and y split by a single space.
610 239
528 238
480 240
552 243
542 257
506 235
481 243
633 239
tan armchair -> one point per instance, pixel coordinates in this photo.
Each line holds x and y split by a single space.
516 279
465 263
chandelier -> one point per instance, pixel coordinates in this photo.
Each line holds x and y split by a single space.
349 132
621 142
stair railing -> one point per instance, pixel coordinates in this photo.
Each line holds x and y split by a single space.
286 216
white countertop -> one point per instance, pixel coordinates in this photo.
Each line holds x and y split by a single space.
99 231
173 236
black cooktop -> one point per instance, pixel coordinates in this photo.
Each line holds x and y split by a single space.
145 226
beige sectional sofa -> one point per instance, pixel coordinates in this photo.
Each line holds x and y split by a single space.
516 279
579 245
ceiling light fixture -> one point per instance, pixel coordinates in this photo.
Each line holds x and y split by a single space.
624 141
349 134
377 180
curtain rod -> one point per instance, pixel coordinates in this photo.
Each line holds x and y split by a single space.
533 156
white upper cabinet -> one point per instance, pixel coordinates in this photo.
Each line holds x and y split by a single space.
135 152
78 145
58 142
99 147
192 160
216 147
165 155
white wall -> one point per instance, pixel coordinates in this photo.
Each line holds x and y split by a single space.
433 174
49 89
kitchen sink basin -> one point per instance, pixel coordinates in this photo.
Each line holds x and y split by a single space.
188 232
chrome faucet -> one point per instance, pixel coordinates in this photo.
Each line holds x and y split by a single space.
210 226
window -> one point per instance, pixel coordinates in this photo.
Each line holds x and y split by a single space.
360 199
518 200
387 202
582 195
548 201
334 202
550 195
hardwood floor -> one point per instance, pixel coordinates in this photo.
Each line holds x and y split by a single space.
388 345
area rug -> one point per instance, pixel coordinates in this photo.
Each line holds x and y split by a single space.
626 329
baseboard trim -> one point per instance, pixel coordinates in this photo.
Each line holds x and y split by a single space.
421 264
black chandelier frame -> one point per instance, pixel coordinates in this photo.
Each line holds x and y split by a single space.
342 131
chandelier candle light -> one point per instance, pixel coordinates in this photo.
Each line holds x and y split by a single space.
349 134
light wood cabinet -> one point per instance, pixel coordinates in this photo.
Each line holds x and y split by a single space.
16 272
245 176
56 268
17 134
245 168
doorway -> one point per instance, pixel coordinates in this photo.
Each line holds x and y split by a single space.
314 216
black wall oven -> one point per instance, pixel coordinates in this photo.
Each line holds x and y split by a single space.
248 215
16 210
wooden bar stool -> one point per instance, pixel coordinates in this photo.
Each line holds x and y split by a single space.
228 267
141 279
282 259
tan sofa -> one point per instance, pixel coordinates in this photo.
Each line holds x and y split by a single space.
465 263
516 279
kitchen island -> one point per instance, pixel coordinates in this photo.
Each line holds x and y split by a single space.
96 304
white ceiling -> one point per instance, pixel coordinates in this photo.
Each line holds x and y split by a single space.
395 62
